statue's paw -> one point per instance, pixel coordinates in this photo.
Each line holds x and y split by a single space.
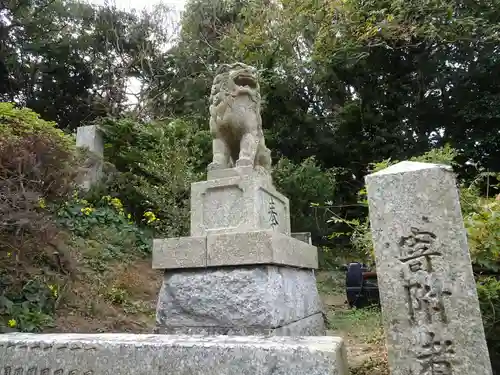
243 162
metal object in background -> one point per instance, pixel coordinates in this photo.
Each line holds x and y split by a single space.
361 286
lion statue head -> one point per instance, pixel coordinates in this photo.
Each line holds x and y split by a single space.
233 80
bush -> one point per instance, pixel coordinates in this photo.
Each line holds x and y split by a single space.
302 184
29 307
37 165
37 169
83 219
155 164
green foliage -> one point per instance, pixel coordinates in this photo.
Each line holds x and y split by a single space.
29 309
303 183
155 163
359 230
38 164
116 295
483 234
69 60
365 323
17 123
488 289
106 218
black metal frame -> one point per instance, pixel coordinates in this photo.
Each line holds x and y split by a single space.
361 286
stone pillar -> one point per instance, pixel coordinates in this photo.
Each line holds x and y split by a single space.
90 137
240 272
427 289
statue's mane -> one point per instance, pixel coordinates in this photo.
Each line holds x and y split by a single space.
222 83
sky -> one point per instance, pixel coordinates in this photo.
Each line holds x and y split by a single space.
141 4
178 5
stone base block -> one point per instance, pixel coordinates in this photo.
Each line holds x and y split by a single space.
129 354
311 326
251 299
237 200
231 249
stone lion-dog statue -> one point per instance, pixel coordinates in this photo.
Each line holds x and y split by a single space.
235 120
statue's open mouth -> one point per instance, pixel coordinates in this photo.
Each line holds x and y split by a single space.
246 80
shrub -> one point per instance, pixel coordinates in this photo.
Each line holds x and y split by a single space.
107 215
29 307
37 165
302 184
37 169
155 164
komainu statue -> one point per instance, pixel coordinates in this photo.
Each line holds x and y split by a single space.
235 121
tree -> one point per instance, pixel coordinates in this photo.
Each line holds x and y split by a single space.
71 61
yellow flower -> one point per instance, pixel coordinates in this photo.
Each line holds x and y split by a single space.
150 217
53 289
12 323
9 254
41 203
87 210
117 204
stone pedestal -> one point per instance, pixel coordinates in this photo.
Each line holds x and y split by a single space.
237 200
240 272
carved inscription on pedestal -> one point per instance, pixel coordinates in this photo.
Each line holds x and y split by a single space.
424 291
6 369
273 214
272 211
16 370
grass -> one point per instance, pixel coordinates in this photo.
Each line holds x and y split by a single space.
362 324
361 328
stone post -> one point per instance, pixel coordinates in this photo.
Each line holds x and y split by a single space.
427 289
90 137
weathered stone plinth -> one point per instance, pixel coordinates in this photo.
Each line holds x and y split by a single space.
252 300
237 200
128 354
231 249
90 137
240 272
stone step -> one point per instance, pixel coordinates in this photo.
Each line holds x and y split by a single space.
129 354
